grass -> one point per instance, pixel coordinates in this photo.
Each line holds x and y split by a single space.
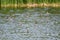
28 1
25 3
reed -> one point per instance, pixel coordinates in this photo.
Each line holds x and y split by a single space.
26 3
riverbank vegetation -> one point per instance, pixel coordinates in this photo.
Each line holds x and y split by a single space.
29 3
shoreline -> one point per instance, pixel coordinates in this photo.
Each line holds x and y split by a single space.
31 5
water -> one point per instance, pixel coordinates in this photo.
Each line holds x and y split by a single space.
30 24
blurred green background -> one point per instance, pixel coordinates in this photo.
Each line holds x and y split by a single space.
27 1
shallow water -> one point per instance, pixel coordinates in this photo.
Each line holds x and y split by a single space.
30 24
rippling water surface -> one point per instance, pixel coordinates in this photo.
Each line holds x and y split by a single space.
30 24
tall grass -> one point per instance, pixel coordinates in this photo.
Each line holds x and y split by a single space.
27 1
20 2
0 3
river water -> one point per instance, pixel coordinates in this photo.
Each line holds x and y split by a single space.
30 24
